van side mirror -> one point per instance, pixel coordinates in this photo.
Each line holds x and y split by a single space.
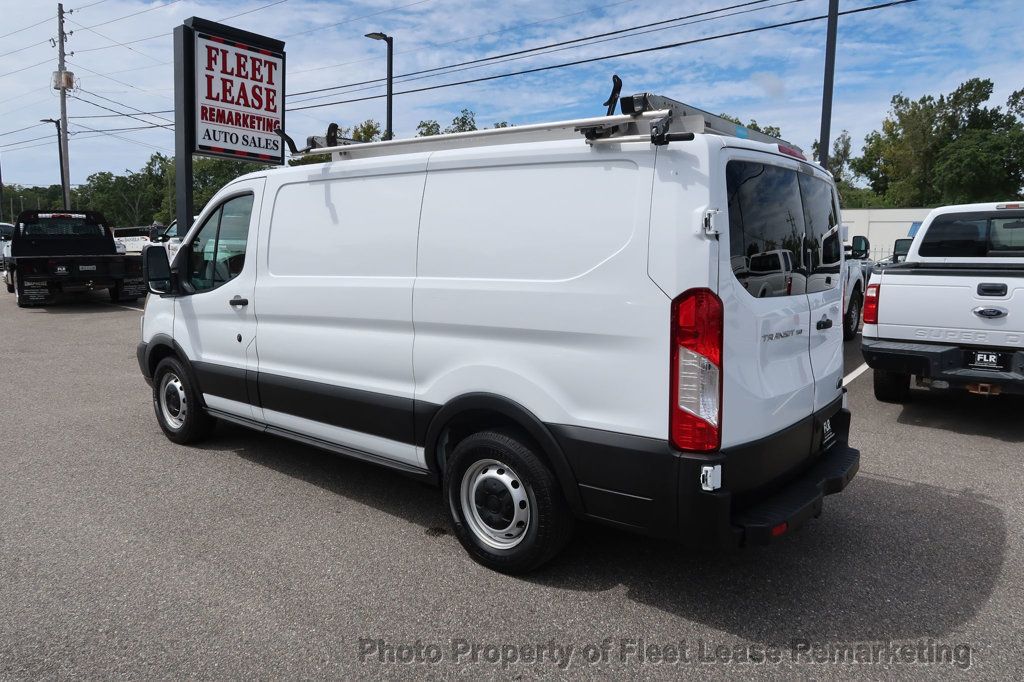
156 269
861 247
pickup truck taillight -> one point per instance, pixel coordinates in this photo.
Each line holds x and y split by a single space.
871 303
696 371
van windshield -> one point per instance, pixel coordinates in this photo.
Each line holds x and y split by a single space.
982 234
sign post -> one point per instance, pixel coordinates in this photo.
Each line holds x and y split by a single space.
228 100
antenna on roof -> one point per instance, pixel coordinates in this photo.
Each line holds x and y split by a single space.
613 98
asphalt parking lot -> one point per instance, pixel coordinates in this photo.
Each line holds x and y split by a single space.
124 555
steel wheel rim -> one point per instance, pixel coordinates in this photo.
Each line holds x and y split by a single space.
173 403
854 314
495 504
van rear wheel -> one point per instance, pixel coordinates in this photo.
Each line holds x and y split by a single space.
506 506
892 387
177 404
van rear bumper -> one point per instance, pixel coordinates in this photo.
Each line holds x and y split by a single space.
643 485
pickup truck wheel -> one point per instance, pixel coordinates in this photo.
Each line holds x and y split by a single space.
9 281
851 321
177 404
892 387
506 506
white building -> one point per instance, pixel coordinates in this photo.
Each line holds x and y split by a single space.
883 226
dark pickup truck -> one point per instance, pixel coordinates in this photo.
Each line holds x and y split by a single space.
52 252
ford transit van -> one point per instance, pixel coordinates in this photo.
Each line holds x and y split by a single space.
546 321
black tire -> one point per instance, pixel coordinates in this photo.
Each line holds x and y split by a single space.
9 284
851 320
550 521
892 387
195 424
115 292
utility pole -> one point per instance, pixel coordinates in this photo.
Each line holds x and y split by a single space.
62 79
2 191
826 95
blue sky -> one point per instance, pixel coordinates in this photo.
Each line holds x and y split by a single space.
773 76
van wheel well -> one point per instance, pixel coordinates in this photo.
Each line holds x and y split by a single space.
467 423
159 353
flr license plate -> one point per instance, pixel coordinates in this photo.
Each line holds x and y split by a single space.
985 359
83 268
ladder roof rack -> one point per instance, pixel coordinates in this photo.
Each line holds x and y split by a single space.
644 117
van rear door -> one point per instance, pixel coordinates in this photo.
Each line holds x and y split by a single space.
768 384
823 259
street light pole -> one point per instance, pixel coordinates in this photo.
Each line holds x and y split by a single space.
826 95
61 140
377 35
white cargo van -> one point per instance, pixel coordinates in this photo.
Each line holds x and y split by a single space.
542 319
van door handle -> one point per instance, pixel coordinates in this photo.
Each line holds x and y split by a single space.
238 301
824 323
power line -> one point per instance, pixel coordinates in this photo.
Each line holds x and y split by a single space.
596 39
462 40
27 47
33 139
11 132
167 35
133 14
610 56
49 18
127 106
26 68
126 139
120 113
541 47
115 42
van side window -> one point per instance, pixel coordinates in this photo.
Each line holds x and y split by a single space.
824 252
218 250
766 229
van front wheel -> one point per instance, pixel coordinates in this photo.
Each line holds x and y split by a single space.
177 404
505 504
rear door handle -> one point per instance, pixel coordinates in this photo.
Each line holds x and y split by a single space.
238 301
824 323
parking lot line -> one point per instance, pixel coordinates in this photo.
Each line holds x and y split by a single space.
854 374
126 307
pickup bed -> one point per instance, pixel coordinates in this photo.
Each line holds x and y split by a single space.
952 314
50 253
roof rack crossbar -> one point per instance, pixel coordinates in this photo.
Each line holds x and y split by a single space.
644 116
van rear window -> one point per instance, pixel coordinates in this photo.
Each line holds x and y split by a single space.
981 234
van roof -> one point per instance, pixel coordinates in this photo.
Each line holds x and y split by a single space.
645 117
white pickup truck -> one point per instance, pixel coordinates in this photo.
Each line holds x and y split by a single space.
952 313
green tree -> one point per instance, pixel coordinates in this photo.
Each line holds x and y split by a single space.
367 131
943 150
463 123
428 128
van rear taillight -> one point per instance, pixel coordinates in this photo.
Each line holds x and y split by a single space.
871 303
695 415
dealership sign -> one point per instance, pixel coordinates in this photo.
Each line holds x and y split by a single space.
231 88
238 99
228 101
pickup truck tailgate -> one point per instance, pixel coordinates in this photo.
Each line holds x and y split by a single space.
964 306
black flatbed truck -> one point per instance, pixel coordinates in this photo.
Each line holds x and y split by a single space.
53 252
